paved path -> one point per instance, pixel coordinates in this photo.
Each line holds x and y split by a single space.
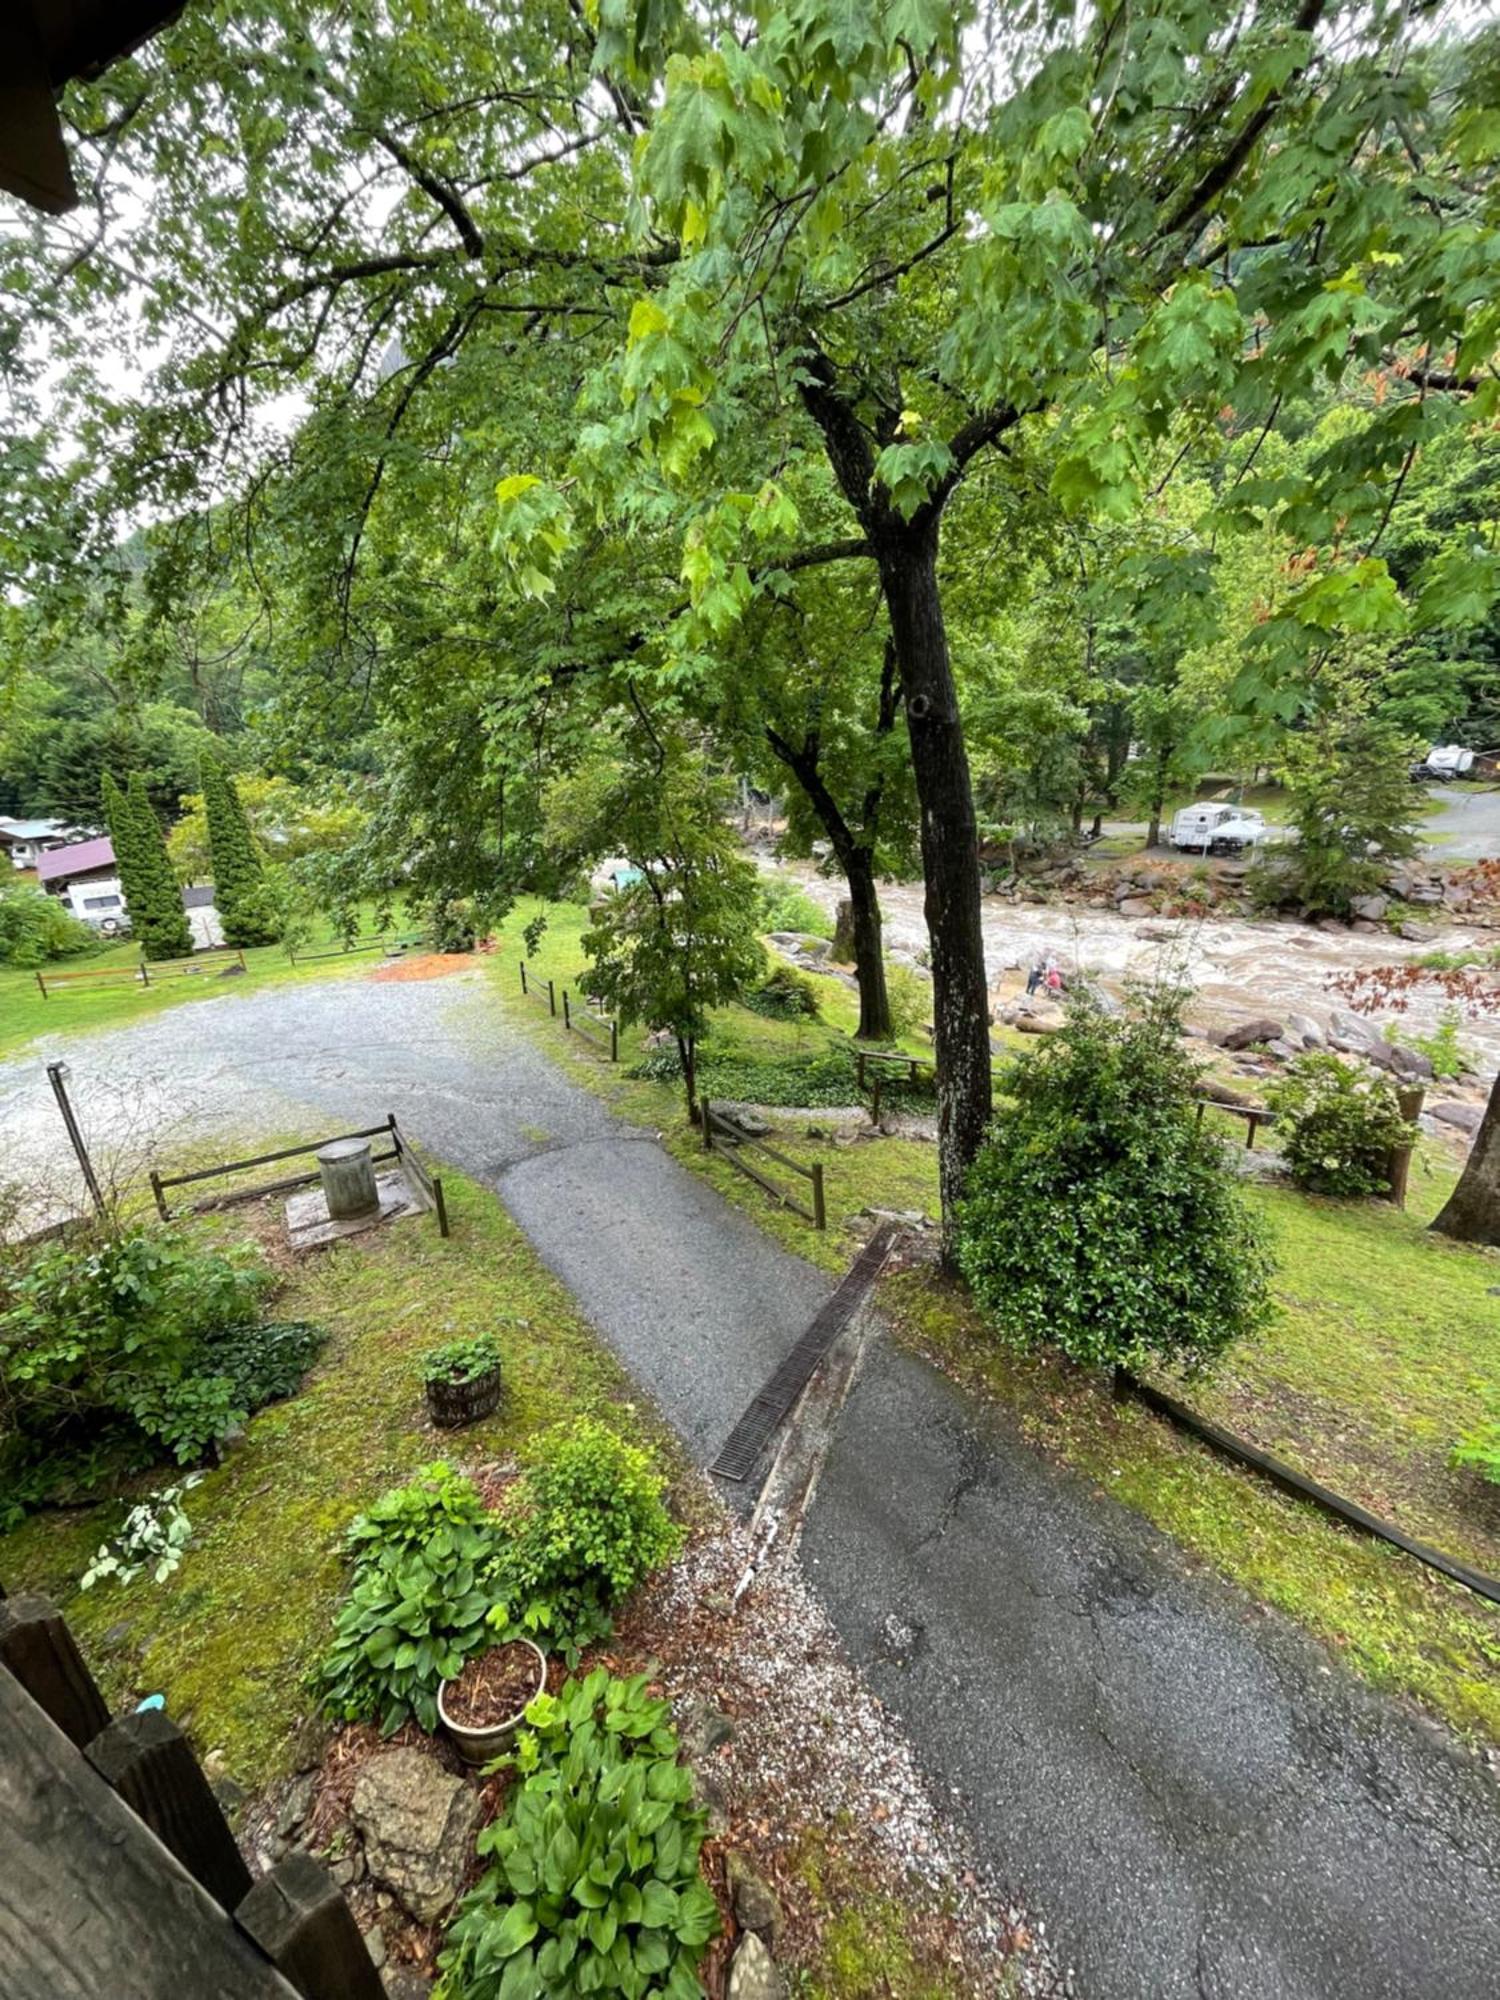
1193 1796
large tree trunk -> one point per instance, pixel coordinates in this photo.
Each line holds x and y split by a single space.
1472 1211
1158 798
869 950
950 846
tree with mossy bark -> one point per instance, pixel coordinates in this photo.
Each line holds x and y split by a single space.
1472 1212
242 895
153 900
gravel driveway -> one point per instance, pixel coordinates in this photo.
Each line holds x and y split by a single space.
1196 1798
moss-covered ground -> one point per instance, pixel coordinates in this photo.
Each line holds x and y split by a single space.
1364 1377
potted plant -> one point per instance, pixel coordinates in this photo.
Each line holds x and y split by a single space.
462 1380
483 1707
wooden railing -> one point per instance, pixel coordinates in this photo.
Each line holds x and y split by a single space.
875 1067
425 1184
147 973
723 1136
596 1028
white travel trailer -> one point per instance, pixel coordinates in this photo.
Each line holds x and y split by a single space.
1216 829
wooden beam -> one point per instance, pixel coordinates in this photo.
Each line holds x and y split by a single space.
39 1650
299 1919
150 1764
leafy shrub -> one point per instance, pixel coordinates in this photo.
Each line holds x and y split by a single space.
826 1078
417 1602
1480 1447
1097 1218
786 906
593 1886
785 995
36 928
116 1349
1336 1124
1442 1047
154 1536
910 998
462 1360
582 1529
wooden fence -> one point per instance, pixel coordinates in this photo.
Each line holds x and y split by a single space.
723 1136
120 1878
207 964
388 941
596 1028
533 988
424 1183
874 1067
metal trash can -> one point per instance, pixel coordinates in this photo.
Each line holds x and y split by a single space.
348 1179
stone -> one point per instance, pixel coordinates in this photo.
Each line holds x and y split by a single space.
1467 1117
374 1939
1303 1028
702 1729
1221 1093
1349 1033
1028 1023
1364 927
1284 1049
1416 933
753 1975
401 1983
1136 906
1410 1065
1246 1034
295 1805
418 1825
755 1901
1370 908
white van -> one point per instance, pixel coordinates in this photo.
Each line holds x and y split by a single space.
1216 829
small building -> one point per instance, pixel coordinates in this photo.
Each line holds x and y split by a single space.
86 877
25 840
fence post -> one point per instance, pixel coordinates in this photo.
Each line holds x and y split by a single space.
524 988
43 984
567 1017
614 1041
820 1214
440 1205
875 1100
148 1761
1398 1162
301 1922
40 1651
161 1200
551 999
708 1125
145 975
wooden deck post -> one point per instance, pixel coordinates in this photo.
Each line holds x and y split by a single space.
300 1920
40 1651
1398 1160
150 1764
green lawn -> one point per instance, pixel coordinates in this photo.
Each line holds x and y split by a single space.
1364 1378
25 1013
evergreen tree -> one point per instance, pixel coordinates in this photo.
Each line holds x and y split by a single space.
157 919
242 895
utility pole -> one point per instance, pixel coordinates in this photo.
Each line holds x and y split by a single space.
57 1075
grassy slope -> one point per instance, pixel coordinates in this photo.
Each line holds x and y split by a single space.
1364 1378
25 1013
233 1632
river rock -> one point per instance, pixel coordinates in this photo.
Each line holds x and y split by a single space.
755 1902
753 1975
1350 1033
1370 908
1408 1065
1246 1034
1303 1028
1136 906
1029 1023
1466 1117
418 1825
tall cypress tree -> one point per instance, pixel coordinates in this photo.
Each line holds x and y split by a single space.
242 896
152 898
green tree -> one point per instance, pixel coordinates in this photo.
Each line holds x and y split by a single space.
152 898
242 895
1354 813
680 939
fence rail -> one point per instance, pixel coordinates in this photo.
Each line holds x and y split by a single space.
147 973
533 988
120 1873
390 941
719 1127
874 1068
428 1184
599 1029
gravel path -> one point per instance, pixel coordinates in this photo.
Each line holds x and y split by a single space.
1197 1800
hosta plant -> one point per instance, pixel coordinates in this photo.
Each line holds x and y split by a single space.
593 1886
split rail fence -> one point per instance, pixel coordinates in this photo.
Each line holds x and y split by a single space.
205 964
424 1183
723 1136
120 1878
578 1015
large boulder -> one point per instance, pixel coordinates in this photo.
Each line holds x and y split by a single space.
1350 1033
1370 908
1246 1034
418 1824
1466 1117
1136 906
1304 1029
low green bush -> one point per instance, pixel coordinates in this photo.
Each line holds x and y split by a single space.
593 1885
1336 1124
826 1078
1097 1218
586 1524
786 906
1442 1047
785 995
462 1360
36 928
126 1348
418 1602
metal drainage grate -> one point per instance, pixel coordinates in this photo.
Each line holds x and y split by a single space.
748 1439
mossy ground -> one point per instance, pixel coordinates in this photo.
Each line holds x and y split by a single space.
230 1637
1363 1378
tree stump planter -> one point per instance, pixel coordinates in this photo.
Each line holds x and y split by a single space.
451 1404
504 1679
